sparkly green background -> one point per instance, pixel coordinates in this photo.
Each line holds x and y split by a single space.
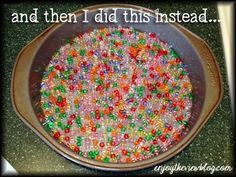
29 154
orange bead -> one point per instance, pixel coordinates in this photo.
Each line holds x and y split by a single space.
106 111
113 133
128 159
52 75
83 129
120 125
98 157
76 101
136 154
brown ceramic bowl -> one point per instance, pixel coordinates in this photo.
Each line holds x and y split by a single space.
33 59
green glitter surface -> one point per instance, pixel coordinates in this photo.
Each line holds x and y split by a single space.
29 154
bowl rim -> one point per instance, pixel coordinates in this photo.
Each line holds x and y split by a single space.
16 101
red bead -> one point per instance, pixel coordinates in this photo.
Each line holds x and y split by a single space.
99 87
163 107
67 138
122 31
156 112
104 55
178 60
57 135
67 130
159 95
124 152
71 87
154 141
170 128
101 144
72 116
167 95
149 96
110 108
162 138
126 136
112 156
153 131
151 68
140 139
62 104
101 73
76 149
70 77
57 67
97 116
93 129
152 75
133 109
97 112
113 143
152 35
62 69
69 122
158 84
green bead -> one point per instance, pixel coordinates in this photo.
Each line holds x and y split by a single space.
51 124
77 106
70 60
60 125
45 106
131 95
98 125
109 139
94 40
106 105
140 129
159 132
106 159
140 95
183 72
132 125
158 148
130 117
128 154
85 69
143 153
145 70
190 96
79 138
118 157
109 129
124 42
141 41
135 103
123 129
57 110
96 152
84 91
140 116
114 85
78 144
167 136
148 137
82 52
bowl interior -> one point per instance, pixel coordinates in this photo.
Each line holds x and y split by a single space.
165 31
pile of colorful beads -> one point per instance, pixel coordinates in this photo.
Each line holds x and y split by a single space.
116 95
